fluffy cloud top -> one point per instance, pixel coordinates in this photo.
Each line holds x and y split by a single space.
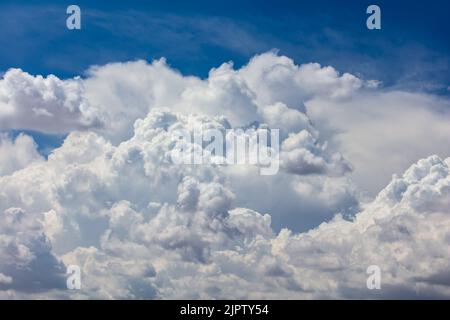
16 153
112 201
112 97
44 104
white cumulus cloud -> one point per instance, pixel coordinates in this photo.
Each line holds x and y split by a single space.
112 201
17 153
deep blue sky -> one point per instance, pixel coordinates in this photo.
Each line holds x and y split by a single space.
410 52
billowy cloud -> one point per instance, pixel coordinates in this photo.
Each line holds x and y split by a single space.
17 153
112 201
114 96
382 132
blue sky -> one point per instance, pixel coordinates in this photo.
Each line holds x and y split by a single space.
411 52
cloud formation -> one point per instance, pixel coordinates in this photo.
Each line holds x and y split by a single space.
371 125
114 96
44 104
112 201
130 245
17 153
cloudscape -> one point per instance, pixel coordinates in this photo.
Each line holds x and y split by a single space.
92 175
